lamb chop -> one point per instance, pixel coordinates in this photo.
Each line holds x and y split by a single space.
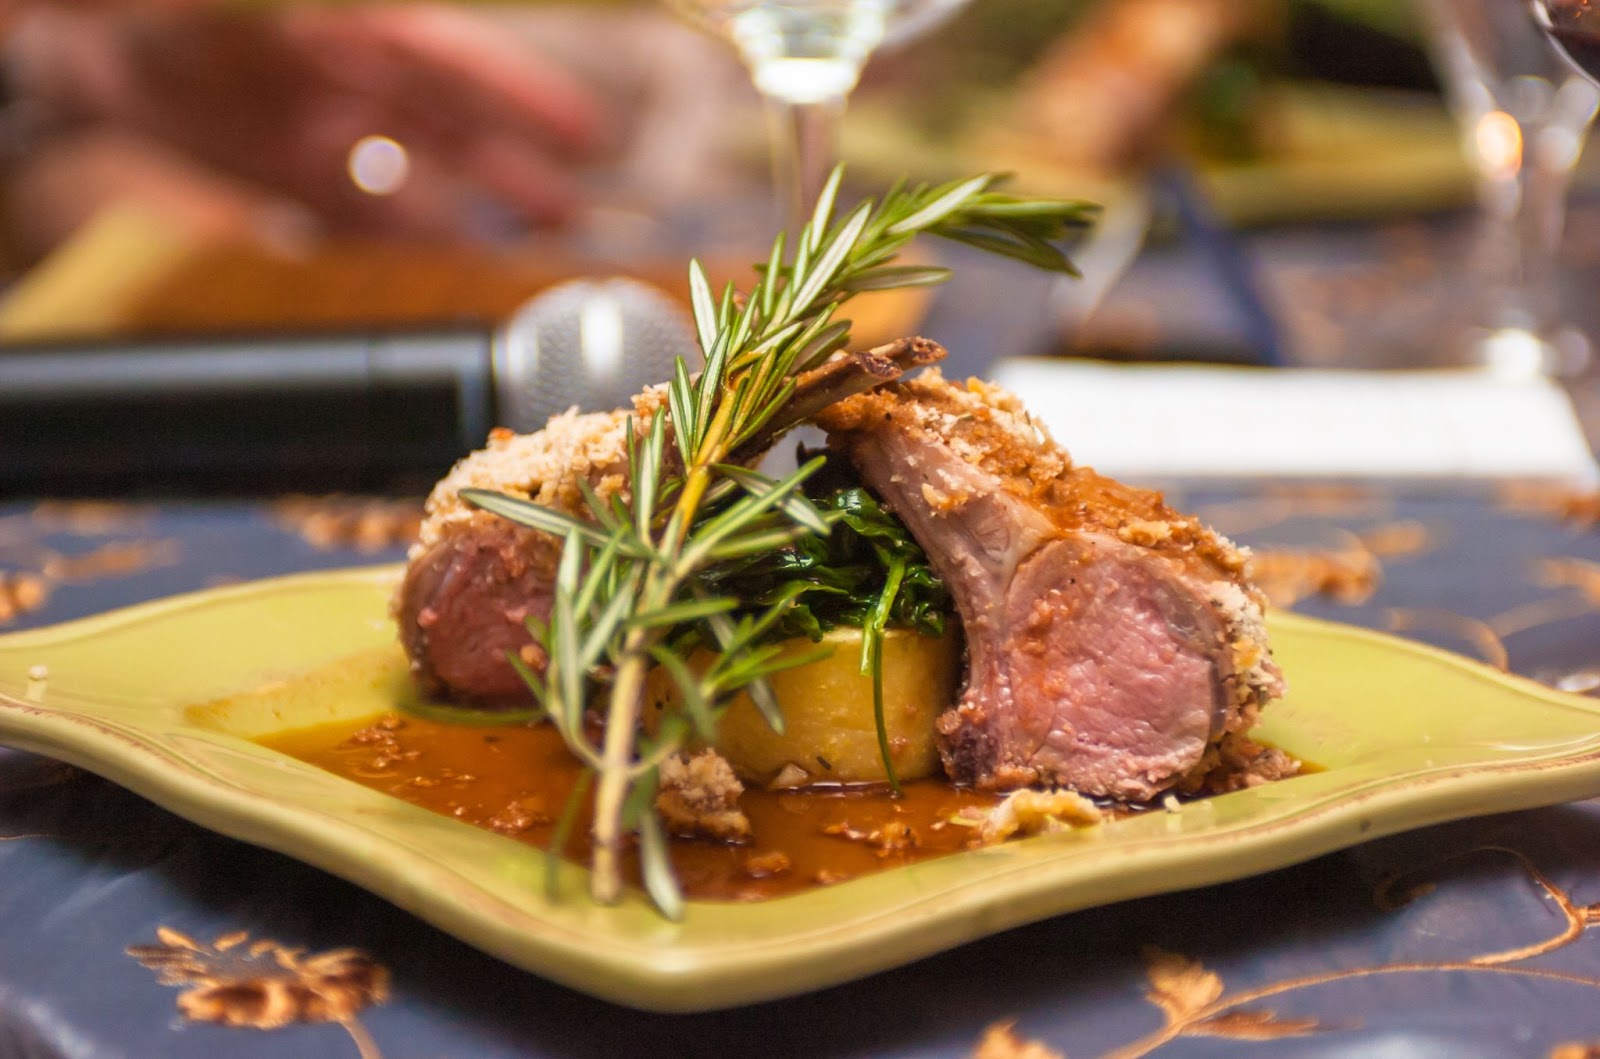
474 578
1114 645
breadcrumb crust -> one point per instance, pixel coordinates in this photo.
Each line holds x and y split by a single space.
544 466
988 427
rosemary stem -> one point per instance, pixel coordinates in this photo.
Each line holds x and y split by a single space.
627 695
694 491
622 721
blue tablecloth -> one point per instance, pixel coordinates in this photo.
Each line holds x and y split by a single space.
1365 952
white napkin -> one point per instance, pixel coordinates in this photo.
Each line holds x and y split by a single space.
1159 420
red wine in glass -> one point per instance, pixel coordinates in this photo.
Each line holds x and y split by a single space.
1575 27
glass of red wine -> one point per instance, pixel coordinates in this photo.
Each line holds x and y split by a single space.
1574 25
1523 111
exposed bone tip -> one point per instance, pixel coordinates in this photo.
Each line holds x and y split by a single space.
876 363
894 358
925 351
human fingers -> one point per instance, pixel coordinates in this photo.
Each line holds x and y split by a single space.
438 118
359 179
62 185
523 178
451 68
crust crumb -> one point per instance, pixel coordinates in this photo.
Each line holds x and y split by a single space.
765 865
1031 812
886 841
790 776
1144 532
700 798
1255 678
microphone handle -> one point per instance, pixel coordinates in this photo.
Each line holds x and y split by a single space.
337 412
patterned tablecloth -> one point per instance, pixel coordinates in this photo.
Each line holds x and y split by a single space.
126 931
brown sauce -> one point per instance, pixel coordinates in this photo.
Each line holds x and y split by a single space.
515 779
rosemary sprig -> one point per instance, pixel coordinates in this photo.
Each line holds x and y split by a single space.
628 583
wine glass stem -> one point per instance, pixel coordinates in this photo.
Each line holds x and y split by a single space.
1523 212
805 144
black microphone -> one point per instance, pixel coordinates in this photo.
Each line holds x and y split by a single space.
358 412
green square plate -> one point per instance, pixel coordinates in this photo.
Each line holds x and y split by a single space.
1406 736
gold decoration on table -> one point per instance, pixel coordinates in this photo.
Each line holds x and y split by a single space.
1000 1041
1279 503
1197 1004
364 524
1187 994
1179 986
24 591
1347 574
264 985
1566 572
1390 896
87 518
36 570
1350 572
1579 577
1575 504
1479 635
21 593
117 559
1401 539
1255 1026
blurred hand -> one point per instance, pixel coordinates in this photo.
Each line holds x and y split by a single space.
278 101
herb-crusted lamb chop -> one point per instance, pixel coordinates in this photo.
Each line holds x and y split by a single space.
1114 645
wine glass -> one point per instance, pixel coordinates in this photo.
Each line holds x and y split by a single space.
805 57
1574 26
1524 114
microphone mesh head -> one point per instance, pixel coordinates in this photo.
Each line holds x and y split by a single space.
590 344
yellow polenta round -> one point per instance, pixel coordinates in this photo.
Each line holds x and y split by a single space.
829 732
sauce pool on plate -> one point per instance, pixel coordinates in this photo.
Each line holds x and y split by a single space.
515 779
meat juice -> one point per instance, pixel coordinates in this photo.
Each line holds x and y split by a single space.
515 780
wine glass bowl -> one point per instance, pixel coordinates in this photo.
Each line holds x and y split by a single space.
805 57
1574 26
799 52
